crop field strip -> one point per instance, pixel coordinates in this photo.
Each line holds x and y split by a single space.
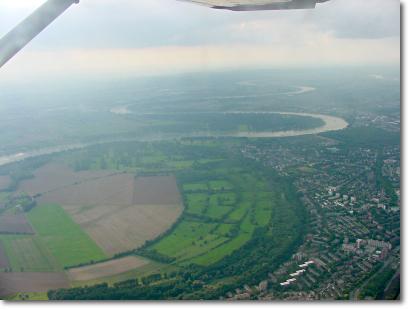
31 282
107 269
15 224
65 239
54 176
4 261
127 228
28 254
156 190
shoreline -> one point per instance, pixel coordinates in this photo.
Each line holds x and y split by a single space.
332 123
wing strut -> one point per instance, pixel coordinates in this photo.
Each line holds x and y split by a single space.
29 28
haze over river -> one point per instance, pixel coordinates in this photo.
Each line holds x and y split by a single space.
331 123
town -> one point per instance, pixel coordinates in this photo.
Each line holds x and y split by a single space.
351 249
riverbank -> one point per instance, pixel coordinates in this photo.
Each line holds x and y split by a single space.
331 123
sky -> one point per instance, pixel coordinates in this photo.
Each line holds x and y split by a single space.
145 37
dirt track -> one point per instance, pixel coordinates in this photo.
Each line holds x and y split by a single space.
106 269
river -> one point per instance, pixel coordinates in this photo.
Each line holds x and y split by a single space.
332 123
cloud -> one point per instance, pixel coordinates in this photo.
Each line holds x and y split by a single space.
153 36
321 51
147 23
360 18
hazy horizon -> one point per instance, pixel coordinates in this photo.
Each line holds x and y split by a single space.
155 37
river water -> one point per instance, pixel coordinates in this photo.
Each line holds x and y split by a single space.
331 123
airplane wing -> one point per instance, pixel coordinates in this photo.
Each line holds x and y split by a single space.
29 28
258 5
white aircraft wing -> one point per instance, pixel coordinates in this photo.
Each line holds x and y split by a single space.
29 28
258 5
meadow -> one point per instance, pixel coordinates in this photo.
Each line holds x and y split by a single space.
221 213
64 239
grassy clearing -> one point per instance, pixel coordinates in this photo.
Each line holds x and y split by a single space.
217 211
223 250
64 239
179 165
184 238
196 203
240 211
194 187
225 229
220 185
28 296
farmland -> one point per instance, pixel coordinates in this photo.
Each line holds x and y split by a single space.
65 239
55 175
15 224
33 282
120 229
4 182
4 261
28 253
174 204
221 215
117 210
106 269
225 202
158 190
84 217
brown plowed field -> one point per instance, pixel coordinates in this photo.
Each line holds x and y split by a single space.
15 224
109 190
106 269
119 229
161 190
55 176
118 211
31 282
4 261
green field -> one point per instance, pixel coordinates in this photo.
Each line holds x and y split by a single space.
63 238
193 187
189 239
28 296
28 253
226 203
223 250
196 203
220 215
220 185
